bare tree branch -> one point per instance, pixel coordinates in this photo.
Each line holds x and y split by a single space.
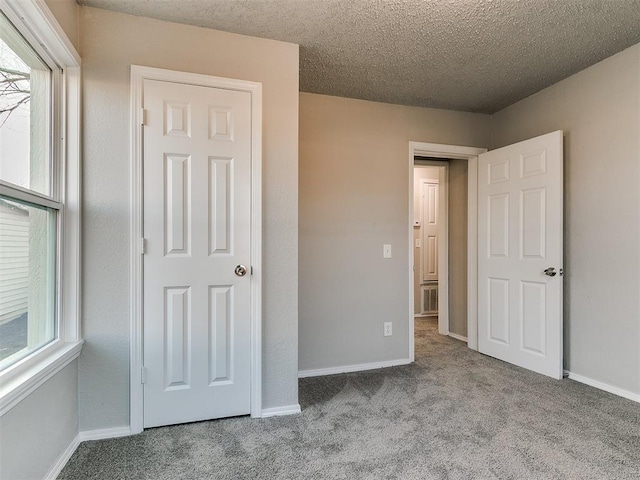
14 91
17 74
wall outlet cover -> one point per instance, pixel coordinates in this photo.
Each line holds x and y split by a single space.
388 329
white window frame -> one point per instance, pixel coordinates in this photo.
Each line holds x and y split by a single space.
37 24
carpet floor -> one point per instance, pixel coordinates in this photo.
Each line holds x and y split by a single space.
453 414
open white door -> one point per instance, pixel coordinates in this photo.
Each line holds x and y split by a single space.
197 224
520 254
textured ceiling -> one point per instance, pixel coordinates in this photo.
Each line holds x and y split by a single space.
473 55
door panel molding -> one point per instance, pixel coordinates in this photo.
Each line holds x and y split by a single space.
138 75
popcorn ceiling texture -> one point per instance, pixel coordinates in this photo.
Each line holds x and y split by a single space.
472 55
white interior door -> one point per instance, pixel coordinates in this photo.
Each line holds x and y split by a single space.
430 225
197 213
520 254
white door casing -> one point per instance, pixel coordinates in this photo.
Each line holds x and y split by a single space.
520 215
456 153
197 227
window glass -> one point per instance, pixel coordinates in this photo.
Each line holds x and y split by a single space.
27 276
25 104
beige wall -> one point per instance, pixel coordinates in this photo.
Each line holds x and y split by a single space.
599 111
458 187
354 194
37 431
111 42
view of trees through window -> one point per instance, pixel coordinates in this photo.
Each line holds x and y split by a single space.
14 84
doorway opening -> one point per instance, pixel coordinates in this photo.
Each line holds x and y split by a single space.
464 160
514 217
440 244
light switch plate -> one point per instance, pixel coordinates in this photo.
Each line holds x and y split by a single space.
386 250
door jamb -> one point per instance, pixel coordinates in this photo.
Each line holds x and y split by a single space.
138 75
454 152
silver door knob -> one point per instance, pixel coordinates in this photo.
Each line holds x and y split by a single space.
550 272
241 270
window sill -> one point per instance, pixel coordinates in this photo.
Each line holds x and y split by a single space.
16 384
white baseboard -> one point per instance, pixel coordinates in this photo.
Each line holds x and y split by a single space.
352 368
64 458
82 437
280 411
458 337
603 386
104 433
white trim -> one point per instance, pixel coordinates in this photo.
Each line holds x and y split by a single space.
256 248
458 337
63 459
104 433
71 254
361 367
138 75
603 386
26 195
441 150
281 411
472 252
24 377
136 389
44 31
85 436
470 154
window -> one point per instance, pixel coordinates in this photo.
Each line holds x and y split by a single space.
29 208
39 199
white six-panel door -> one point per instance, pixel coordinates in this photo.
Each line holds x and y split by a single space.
519 238
197 213
430 197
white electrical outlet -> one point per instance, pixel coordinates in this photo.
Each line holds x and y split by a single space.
386 250
388 329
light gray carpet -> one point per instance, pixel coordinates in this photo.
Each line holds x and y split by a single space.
454 414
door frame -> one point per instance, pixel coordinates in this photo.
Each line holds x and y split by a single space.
453 152
443 242
138 75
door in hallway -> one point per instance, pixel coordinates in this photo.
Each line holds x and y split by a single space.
430 225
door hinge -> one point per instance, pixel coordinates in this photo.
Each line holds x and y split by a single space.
143 246
143 116
143 375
